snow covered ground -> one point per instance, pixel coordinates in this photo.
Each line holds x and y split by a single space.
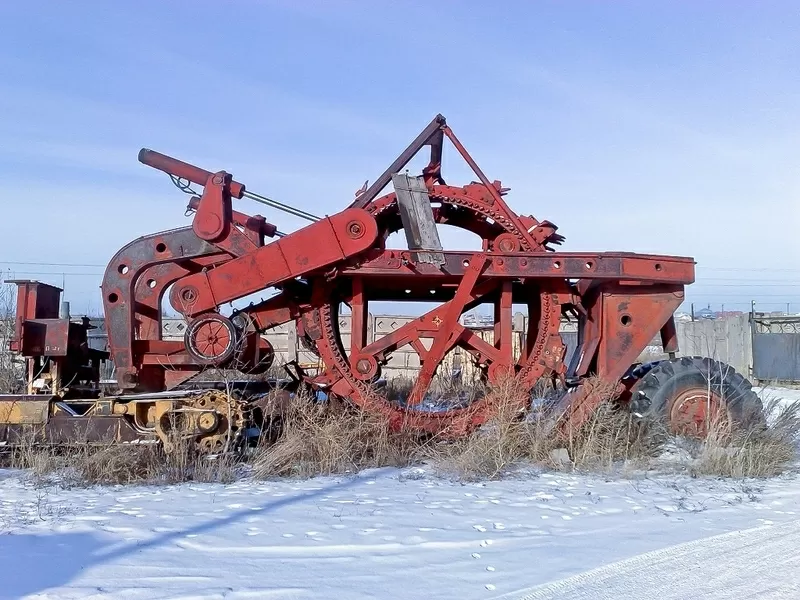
404 534
784 395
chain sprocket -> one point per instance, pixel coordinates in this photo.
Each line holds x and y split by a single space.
213 421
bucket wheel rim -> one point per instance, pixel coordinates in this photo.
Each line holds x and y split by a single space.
541 355
448 422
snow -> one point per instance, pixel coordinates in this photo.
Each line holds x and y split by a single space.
391 533
781 395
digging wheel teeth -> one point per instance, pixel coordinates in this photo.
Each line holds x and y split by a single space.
493 227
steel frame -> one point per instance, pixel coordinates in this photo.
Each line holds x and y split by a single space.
622 299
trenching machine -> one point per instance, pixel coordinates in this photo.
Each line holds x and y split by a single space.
621 302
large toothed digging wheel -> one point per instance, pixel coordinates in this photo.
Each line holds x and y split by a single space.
695 396
434 402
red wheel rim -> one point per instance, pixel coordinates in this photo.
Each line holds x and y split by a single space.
212 339
697 411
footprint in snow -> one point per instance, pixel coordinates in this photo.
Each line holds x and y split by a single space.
480 528
413 539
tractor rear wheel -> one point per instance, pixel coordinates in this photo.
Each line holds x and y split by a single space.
695 396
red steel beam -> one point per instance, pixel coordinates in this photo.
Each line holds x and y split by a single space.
562 265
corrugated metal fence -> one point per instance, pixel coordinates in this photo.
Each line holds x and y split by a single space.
776 348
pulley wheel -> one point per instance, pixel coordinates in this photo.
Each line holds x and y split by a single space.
211 340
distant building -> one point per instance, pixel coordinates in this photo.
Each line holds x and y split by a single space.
705 313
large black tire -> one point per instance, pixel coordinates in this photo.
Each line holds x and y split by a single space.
690 381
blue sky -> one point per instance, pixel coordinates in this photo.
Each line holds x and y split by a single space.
666 127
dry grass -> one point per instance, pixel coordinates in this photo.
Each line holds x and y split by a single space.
330 438
314 438
755 452
12 367
116 463
609 437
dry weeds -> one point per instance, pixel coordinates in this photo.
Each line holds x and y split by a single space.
608 438
315 438
755 452
331 438
83 464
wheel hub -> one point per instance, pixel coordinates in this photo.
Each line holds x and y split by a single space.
211 340
695 412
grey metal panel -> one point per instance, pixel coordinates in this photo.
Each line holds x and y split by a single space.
570 339
417 217
776 356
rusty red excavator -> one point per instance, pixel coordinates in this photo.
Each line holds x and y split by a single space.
621 302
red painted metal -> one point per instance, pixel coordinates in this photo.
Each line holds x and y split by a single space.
622 299
694 410
182 170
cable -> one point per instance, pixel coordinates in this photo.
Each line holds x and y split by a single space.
47 264
56 273
280 206
184 187
747 270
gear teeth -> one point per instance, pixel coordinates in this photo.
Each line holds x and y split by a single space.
336 361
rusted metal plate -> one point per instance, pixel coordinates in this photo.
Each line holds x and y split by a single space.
417 217
24 410
72 430
45 337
